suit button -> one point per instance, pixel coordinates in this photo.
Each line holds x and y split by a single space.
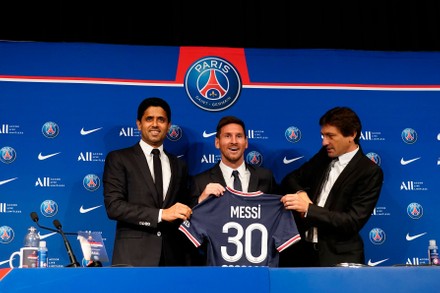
158 234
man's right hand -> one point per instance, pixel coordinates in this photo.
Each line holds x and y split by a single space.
176 211
212 188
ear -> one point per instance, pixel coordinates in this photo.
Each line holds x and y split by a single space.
138 123
217 143
352 137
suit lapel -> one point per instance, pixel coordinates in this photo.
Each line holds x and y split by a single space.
253 180
217 175
174 171
346 173
141 161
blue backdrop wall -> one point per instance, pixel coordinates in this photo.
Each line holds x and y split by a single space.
65 106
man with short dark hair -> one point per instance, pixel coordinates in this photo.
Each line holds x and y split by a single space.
147 198
332 195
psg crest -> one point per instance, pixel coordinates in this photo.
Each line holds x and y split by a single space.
213 84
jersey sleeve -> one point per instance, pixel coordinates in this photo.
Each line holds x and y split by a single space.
190 231
195 228
286 232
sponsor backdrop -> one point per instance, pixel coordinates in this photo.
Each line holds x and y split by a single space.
65 106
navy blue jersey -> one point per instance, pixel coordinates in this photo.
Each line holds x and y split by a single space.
242 229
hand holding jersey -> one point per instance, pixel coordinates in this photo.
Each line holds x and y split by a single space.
211 189
297 201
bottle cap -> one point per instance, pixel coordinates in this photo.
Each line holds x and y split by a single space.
432 242
42 244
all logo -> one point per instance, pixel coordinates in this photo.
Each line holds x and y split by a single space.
212 84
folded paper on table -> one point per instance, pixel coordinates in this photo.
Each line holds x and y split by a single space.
92 247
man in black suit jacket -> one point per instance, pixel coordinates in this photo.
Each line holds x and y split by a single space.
147 222
332 195
232 142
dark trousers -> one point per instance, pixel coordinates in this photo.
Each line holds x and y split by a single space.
301 254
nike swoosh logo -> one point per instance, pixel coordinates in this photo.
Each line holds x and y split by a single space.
3 262
411 238
46 235
82 210
372 264
42 157
406 162
287 161
179 156
206 134
7 180
85 132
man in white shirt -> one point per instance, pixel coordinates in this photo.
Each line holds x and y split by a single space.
332 195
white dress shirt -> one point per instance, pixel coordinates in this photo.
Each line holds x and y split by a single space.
338 166
243 173
166 168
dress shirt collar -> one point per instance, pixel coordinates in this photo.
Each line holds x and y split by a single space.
146 148
226 170
346 158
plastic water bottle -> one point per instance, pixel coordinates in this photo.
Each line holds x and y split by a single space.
433 253
42 255
32 239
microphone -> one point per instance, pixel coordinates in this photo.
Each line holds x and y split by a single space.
35 218
73 261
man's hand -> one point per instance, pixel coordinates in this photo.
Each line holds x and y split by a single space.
177 211
297 201
212 188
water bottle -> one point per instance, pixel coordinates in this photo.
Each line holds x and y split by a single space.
32 239
31 243
433 253
42 255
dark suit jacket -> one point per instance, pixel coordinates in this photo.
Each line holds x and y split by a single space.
348 207
131 199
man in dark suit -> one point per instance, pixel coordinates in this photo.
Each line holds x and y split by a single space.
148 215
232 142
332 195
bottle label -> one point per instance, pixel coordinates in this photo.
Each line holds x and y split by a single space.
433 257
42 259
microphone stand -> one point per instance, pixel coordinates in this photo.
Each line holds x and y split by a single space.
73 261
